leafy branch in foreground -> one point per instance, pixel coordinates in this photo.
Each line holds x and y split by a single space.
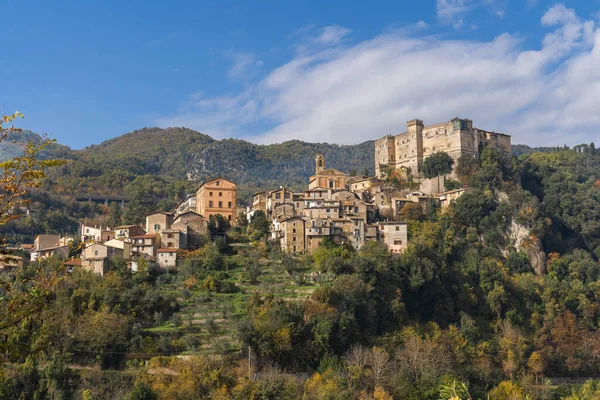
20 173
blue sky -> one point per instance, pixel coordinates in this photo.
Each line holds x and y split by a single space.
270 71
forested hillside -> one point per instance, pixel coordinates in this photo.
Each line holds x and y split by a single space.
497 296
178 159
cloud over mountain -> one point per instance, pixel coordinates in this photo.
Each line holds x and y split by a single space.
344 93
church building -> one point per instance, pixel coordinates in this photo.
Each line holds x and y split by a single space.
326 178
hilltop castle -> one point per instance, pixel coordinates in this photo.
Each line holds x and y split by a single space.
455 137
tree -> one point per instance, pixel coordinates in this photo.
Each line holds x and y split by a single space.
467 167
22 172
259 225
218 225
241 220
536 364
18 175
411 211
436 165
116 214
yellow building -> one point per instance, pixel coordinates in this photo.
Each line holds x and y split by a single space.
326 178
217 196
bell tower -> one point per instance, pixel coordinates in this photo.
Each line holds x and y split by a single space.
320 163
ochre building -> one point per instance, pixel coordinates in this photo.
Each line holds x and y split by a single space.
217 196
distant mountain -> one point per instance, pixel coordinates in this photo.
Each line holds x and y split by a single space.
163 157
13 146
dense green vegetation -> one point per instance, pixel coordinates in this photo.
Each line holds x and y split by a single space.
497 296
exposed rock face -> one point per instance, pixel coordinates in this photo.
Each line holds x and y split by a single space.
523 240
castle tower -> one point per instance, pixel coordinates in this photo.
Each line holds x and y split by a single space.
415 136
320 163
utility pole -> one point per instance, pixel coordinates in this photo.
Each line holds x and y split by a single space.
250 362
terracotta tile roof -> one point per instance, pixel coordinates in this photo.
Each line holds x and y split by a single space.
168 250
146 236
73 262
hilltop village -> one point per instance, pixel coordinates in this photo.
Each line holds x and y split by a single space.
338 207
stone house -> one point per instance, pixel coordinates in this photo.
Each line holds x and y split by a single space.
447 198
259 201
217 196
167 257
196 227
123 245
144 244
158 221
127 231
394 235
292 235
45 246
97 257
186 205
96 233
174 238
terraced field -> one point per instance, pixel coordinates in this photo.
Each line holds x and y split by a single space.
206 321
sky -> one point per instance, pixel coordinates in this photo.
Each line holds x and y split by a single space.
269 71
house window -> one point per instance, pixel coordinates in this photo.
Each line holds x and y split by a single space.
170 244
293 231
287 195
210 203
327 210
397 228
217 183
229 204
157 227
229 217
87 230
171 255
220 204
331 184
220 194
210 194
277 196
397 242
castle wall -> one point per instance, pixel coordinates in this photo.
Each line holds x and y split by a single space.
455 137
385 153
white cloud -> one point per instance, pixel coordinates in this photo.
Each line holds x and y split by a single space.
349 94
450 12
244 64
332 34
